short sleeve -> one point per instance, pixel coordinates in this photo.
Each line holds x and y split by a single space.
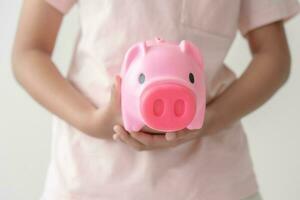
257 13
62 6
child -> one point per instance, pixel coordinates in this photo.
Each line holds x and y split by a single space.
212 163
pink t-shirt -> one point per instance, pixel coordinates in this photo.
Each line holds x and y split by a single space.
217 167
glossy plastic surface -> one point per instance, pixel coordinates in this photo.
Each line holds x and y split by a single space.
168 107
163 86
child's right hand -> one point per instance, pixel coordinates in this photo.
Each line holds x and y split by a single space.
100 122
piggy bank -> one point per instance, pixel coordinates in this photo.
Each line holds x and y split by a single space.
162 86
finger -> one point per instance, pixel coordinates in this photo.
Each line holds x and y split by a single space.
118 82
188 134
116 137
178 134
149 139
171 136
115 90
117 94
125 137
112 95
112 91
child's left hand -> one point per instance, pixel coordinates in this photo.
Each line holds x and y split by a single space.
145 141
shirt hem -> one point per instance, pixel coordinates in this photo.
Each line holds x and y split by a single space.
241 192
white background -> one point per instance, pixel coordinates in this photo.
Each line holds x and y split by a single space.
25 127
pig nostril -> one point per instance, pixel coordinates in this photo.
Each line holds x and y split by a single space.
158 107
179 108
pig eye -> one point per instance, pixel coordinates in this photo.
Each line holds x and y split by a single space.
191 77
141 78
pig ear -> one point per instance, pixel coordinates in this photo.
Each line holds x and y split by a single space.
190 49
136 50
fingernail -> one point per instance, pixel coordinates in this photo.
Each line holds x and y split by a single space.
115 137
116 79
170 136
115 128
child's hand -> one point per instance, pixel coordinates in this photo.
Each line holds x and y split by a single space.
145 141
101 121
114 106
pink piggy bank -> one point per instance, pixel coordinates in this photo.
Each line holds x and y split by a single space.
162 86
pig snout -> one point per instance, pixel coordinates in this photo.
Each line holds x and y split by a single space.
168 107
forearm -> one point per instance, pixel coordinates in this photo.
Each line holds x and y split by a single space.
35 39
267 72
265 75
37 74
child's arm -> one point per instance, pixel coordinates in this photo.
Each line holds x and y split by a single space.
35 39
267 72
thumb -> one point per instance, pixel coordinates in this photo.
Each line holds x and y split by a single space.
116 91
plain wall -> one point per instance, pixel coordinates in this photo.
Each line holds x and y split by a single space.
25 127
